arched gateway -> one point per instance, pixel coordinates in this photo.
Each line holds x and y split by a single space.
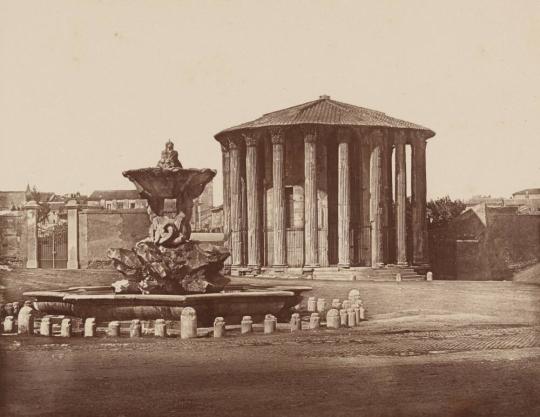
312 186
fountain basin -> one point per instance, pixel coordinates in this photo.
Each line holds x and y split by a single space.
234 302
170 183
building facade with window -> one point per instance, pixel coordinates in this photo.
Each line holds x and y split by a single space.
116 199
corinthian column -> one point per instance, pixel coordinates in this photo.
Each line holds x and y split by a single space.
401 198
344 199
387 199
365 157
376 206
278 193
236 203
419 225
253 206
310 198
225 166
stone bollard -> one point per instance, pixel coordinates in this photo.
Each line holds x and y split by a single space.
321 305
45 328
114 329
398 277
314 321
8 308
65 328
25 319
429 276
312 304
346 304
357 314
333 320
246 325
362 313
354 295
270 324
296 322
343 318
336 303
16 307
135 329
188 323
219 327
90 327
9 324
160 328
351 317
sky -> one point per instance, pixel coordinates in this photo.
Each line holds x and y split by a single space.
89 89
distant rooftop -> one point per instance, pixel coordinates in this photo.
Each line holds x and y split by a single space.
527 191
99 195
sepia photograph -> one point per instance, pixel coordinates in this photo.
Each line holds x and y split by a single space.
228 208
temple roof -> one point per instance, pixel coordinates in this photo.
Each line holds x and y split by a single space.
326 111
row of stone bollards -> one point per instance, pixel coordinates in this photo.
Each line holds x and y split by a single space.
346 313
339 314
24 325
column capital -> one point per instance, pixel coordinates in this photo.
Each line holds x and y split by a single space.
234 143
310 133
250 139
376 137
418 138
400 137
343 135
277 134
224 146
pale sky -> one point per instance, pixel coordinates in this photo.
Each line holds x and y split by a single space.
91 88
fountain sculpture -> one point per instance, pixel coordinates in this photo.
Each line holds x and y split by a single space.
167 271
167 261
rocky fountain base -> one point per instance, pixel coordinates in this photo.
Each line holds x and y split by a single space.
167 271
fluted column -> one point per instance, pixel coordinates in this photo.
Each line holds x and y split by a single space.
419 225
225 166
253 205
278 197
344 199
376 206
387 198
401 198
365 157
311 242
236 203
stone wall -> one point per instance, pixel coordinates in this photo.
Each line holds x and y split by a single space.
13 237
485 243
514 242
100 230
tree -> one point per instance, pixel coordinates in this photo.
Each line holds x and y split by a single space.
44 209
443 210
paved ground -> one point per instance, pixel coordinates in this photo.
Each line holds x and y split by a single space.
429 349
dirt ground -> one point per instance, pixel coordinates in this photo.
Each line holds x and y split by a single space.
428 349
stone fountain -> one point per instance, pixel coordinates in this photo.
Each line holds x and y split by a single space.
167 271
167 261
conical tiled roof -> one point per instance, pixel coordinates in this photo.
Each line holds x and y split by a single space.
325 111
